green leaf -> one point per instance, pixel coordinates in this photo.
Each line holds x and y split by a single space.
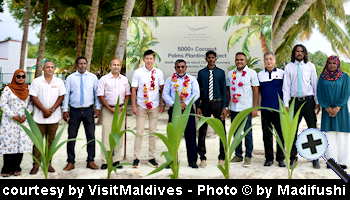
160 168
219 129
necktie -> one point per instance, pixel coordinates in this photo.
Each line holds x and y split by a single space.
81 90
300 81
211 86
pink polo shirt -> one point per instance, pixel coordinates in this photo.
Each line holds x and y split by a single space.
113 87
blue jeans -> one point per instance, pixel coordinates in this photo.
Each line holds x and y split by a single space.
248 140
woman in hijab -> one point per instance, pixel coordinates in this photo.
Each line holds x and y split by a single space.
13 140
333 92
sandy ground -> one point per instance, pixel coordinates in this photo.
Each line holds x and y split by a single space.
257 170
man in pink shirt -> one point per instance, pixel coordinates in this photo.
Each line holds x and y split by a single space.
110 87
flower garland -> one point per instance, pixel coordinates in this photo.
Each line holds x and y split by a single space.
148 103
184 94
235 96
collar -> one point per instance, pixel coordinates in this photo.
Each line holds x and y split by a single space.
297 62
180 76
211 69
78 73
110 75
273 70
244 68
144 67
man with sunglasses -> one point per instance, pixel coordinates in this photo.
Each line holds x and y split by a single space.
47 93
188 89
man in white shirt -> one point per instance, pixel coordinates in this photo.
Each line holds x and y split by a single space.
111 87
300 83
146 88
243 84
47 93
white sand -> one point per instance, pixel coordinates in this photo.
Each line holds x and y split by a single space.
257 170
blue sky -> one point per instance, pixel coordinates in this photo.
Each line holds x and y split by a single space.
10 28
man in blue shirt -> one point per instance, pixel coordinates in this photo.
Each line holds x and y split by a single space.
187 88
212 101
78 106
271 82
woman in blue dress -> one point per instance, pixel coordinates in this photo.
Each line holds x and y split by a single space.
333 93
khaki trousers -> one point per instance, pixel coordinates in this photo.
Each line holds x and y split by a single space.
140 128
48 131
107 120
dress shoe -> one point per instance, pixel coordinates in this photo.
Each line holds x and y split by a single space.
117 164
34 170
5 175
91 165
268 163
51 169
104 166
316 164
292 160
193 165
69 167
281 163
17 173
343 166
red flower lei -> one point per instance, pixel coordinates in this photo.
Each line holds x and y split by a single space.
184 94
235 96
148 103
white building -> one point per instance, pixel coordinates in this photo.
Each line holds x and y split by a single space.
10 52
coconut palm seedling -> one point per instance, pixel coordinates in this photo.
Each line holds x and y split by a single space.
289 125
41 143
115 136
172 139
231 140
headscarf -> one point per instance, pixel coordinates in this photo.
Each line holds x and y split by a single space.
20 90
332 75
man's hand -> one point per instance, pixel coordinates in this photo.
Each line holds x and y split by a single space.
317 108
223 114
134 109
23 119
255 113
183 106
111 109
161 108
47 113
66 116
199 111
97 113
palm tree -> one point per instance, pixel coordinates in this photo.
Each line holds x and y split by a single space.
26 18
221 8
120 49
91 31
42 38
177 7
255 27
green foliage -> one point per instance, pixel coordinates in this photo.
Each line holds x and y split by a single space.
114 137
172 140
0 115
231 140
289 125
41 143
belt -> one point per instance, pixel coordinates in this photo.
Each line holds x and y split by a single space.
304 98
212 101
82 108
121 105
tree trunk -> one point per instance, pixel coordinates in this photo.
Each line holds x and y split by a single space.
275 9
42 38
79 40
264 46
91 31
282 30
177 7
154 8
120 49
277 19
221 8
25 34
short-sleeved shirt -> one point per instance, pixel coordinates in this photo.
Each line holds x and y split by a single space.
271 87
47 94
243 87
113 87
141 78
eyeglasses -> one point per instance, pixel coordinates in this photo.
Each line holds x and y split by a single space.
21 76
178 67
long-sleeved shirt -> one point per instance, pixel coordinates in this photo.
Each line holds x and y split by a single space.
219 84
169 90
72 97
290 81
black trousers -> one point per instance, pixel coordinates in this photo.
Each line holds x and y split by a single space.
76 116
269 118
208 109
308 112
190 137
12 163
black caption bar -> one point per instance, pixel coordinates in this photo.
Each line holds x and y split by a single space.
173 189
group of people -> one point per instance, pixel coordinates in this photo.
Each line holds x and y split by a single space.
83 97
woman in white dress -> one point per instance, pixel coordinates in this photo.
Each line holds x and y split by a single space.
13 140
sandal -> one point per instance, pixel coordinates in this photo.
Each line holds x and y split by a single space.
5 175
